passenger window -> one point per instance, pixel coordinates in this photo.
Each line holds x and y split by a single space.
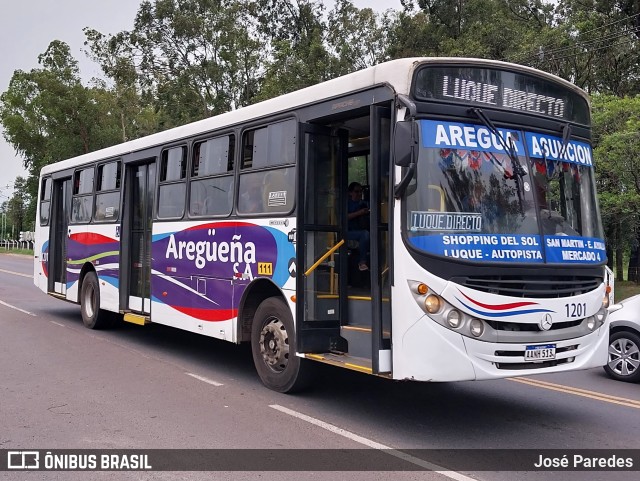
82 200
270 146
107 207
172 189
270 153
211 186
45 201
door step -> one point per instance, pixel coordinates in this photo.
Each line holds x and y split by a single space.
358 339
58 295
136 319
343 360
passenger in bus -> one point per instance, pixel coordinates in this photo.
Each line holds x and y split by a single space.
358 216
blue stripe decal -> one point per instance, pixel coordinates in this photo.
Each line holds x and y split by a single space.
502 314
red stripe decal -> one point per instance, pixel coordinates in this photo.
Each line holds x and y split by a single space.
499 307
212 315
90 238
221 225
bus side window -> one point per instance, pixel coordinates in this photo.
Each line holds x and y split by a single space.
107 207
82 200
211 185
45 201
172 188
267 184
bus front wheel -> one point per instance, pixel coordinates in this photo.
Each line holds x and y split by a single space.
273 348
92 316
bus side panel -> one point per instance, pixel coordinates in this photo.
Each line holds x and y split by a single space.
200 270
41 257
98 245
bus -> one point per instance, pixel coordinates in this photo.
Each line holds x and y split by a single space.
483 256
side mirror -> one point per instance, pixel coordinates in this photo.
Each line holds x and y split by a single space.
405 141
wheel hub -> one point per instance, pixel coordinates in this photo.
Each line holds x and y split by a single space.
274 345
624 357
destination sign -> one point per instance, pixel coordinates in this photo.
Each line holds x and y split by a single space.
501 89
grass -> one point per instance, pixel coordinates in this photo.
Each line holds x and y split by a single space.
26 252
624 289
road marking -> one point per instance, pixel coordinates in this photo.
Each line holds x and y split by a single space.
632 403
57 323
30 276
373 444
204 379
17 309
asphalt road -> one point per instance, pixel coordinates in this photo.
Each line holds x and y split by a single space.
63 386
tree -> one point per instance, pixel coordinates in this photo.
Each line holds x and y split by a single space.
189 59
17 207
596 46
48 115
293 33
496 29
616 137
357 38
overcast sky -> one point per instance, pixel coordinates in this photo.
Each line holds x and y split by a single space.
28 26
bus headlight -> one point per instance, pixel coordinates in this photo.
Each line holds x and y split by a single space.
591 323
432 303
454 318
600 316
476 326
605 302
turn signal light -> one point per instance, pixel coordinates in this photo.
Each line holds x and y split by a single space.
422 289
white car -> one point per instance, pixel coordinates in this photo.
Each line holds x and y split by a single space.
624 340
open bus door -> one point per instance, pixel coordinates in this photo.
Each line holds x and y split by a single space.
321 243
59 235
339 321
140 182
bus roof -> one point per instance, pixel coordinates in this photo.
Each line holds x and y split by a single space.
395 73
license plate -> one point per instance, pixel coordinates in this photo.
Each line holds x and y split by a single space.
545 352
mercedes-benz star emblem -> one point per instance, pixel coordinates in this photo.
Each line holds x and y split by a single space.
546 322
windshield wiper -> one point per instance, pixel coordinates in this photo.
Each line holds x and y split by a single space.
566 136
510 149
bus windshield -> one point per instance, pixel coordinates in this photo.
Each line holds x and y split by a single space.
468 191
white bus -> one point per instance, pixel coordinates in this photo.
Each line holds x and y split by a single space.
477 252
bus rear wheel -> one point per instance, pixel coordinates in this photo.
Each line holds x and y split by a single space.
92 316
274 348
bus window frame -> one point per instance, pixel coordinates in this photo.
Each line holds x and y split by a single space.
75 195
229 173
43 199
241 170
185 146
108 191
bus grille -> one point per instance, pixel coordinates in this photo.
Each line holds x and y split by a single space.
531 286
533 365
519 326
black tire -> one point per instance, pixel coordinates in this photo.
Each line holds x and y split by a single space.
273 347
623 363
92 316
